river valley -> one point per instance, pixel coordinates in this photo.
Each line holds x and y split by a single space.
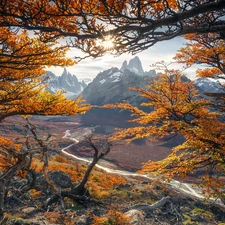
187 189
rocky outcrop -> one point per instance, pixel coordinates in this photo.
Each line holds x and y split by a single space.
112 86
135 66
70 82
66 82
136 217
60 178
150 73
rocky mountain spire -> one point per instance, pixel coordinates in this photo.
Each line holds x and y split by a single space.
124 66
134 66
66 81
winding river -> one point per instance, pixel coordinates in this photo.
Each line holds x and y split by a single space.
182 187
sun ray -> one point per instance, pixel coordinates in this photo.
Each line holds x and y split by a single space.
106 42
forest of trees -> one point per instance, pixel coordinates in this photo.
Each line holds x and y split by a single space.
35 35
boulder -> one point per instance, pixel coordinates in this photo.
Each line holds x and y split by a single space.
82 220
60 178
137 217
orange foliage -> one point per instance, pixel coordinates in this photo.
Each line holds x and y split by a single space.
71 170
60 218
23 61
113 217
208 50
99 184
173 100
6 147
60 159
178 109
34 193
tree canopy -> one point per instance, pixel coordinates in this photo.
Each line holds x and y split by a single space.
178 109
207 50
23 61
132 25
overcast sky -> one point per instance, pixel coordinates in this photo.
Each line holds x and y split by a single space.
91 67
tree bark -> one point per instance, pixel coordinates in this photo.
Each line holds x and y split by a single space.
80 186
9 174
97 156
158 204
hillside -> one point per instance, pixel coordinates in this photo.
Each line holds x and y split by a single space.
125 199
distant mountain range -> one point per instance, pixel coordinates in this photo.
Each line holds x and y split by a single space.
66 82
112 85
209 85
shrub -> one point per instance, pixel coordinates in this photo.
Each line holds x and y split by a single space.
113 217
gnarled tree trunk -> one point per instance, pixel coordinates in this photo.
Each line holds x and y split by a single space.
80 193
23 162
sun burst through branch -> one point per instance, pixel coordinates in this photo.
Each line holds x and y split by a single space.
107 42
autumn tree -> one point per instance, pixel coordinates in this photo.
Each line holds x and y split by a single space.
23 61
206 50
101 147
132 25
178 109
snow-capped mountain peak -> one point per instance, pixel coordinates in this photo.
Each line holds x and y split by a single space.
66 82
115 76
124 66
209 85
112 86
134 66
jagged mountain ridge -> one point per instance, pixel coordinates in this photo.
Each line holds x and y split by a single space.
66 82
135 66
112 85
209 85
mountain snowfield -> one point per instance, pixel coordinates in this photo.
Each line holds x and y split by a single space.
114 77
114 83
209 85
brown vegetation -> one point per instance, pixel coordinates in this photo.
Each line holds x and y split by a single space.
133 26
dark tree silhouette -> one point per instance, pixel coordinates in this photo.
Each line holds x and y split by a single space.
133 25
